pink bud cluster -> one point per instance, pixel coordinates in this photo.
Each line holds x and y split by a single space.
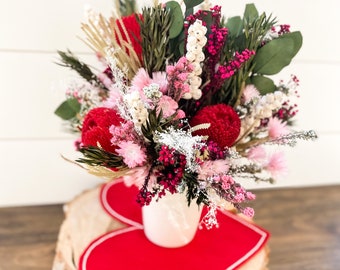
124 132
233 192
177 76
215 14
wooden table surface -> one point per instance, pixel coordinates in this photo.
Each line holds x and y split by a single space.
304 224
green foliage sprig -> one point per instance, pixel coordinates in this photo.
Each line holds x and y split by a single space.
155 28
193 189
271 56
95 156
155 122
68 59
71 107
126 7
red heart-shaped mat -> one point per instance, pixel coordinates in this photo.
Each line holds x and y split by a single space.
226 247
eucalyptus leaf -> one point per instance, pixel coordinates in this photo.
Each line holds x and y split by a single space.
250 13
192 3
264 84
235 26
68 109
278 53
177 18
297 38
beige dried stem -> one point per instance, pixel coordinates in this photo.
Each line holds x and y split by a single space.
105 37
100 171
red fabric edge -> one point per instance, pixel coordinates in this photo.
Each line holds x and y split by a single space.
264 239
97 241
108 209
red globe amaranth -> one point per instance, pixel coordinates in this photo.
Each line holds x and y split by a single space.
224 124
96 128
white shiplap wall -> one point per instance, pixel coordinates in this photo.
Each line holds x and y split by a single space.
31 86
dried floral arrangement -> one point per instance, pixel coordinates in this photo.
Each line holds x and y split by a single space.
184 102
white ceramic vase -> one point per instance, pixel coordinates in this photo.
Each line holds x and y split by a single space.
170 222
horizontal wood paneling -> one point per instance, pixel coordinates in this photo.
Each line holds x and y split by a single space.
40 25
50 25
32 85
33 172
31 88
319 95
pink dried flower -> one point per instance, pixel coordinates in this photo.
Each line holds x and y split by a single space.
239 198
277 165
114 98
276 128
227 181
136 176
105 80
168 106
140 80
249 92
160 79
180 114
133 155
257 153
177 78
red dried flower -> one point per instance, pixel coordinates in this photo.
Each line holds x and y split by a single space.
224 124
96 128
133 30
